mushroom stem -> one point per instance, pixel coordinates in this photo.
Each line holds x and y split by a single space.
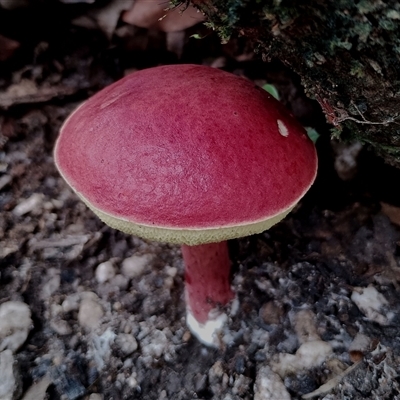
207 273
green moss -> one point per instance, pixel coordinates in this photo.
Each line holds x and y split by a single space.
344 51
362 30
357 69
342 45
368 6
387 24
393 14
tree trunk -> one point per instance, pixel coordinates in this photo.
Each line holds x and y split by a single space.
347 53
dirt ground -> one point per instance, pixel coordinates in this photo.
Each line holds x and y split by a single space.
87 312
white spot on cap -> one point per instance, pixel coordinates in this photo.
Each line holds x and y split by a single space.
283 130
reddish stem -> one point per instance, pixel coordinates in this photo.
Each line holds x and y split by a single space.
207 271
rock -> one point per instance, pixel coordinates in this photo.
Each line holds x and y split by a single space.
241 385
134 266
359 347
271 313
61 327
269 386
155 344
171 271
28 205
15 324
71 302
52 283
120 281
38 390
96 396
308 355
305 326
105 272
372 304
5 180
215 375
90 313
100 349
127 343
346 155
9 377
68 385
132 381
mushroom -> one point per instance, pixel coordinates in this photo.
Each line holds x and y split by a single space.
192 155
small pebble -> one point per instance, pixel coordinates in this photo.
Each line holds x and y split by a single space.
9 382
60 327
269 386
71 302
90 313
15 324
128 363
308 355
171 271
271 313
127 343
241 385
120 281
96 396
346 159
67 383
372 304
105 272
38 390
168 282
155 344
51 285
28 205
186 336
135 266
4 181
200 382
101 347
305 326
132 381
359 347
216 372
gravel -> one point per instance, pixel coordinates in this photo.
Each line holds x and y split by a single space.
87 312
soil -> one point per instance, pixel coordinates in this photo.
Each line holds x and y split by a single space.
319 293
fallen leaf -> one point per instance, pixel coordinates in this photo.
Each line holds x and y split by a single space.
7 47
105 18
392 212
157 15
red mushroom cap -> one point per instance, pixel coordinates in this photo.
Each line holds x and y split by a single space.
186 154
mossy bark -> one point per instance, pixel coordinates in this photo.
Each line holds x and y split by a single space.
346 52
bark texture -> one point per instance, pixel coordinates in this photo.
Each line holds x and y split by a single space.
347 53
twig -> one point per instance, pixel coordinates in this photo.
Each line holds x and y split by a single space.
335 115
326 387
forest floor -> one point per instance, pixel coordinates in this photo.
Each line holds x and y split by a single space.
319 293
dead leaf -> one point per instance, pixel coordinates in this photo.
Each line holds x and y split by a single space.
392 212
105 18
14 4
7 47
26 91
156 15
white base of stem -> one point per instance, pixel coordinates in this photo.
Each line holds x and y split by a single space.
210 333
